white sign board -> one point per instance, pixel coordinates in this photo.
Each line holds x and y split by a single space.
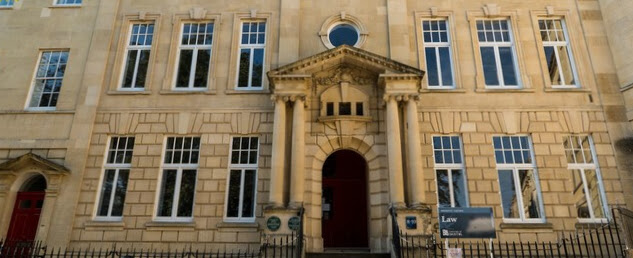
454 253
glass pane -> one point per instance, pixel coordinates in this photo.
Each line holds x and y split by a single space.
345 108
202 68
119 194
142 69
130 66
552 65
166 198
184 68
509 200
245 63
258 68
359 109
235 157
489 63
565 65
594 193
443 188
437 142
25 204
587 150
507 66
106 192
445 63
531 202
233 202
431 66
187 191
459 188
496 141
343 34
439 158
248 203
580 197
329 109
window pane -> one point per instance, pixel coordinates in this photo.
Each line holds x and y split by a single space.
233 202
565 65
106 192
580 197
202 68
552 65
594 193
530 194
245 63
489 63
507 65
248 202
459 188
445 63
443 188
345 108
184 68
431 67
258 68
329 109
166 199
142 69
509 200
187 191
119 195
359 109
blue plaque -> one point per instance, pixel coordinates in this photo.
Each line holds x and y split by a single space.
466 223
411 222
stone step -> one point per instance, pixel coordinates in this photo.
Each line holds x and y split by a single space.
347 254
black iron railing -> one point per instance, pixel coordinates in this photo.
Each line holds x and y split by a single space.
396 240
286 246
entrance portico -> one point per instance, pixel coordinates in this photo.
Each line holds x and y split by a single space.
346 99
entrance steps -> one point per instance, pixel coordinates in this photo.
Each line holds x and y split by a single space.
347 254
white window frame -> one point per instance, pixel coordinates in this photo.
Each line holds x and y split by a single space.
556 44
252 48
194 58
111 166
64 3
496 46
8 4
436 46
515 174
179 167
242 168
591 166
449 167
140 48
35 78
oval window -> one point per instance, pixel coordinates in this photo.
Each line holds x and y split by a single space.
343 34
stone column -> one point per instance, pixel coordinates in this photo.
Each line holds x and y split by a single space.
278 151
396 182
415 173
298 153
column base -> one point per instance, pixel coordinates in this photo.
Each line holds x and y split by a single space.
419 220
295 205
399 205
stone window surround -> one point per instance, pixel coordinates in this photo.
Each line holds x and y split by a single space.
575 44
238 18
117 70
435 14
342 18
172 61
512 18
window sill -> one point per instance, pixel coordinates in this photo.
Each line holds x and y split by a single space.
233 91
501 90
509 226
6 8
64 6
345 117
170 226
38 111
97 224
428 90
581 90
129 92
187 92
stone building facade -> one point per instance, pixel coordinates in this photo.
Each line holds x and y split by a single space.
193 123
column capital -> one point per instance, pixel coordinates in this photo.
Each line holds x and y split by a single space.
400 97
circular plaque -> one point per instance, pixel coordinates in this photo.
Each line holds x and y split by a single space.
273 223
294 223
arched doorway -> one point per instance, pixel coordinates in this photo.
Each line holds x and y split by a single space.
344 201
26 211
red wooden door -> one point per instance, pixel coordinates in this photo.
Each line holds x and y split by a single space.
344 222
26 216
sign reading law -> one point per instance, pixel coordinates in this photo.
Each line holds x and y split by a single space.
466 223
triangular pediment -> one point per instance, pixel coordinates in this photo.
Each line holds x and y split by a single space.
345 56
31 160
